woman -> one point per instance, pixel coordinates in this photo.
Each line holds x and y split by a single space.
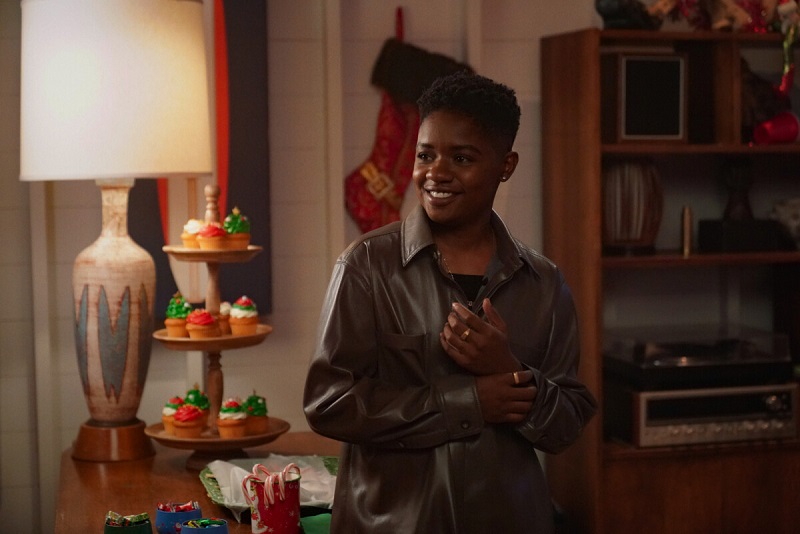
447 350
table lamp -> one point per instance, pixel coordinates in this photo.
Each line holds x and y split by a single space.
111 91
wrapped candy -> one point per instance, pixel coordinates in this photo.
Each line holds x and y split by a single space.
113 519
174 507
129 524
206 523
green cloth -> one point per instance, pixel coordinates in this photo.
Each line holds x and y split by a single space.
316 524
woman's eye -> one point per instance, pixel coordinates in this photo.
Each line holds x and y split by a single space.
423 156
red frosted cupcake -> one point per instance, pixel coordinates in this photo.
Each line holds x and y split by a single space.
202 325
188 421
212 237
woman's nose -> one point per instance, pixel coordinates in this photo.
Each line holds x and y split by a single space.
437 170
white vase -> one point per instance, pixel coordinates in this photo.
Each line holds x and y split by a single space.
113 284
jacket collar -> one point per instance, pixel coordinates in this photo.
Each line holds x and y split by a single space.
415 236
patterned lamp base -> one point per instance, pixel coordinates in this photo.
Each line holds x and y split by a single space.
113 286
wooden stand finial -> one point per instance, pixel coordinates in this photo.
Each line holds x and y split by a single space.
211 192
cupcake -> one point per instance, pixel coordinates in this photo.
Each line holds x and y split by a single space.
231 419
257 421
189 234
202 325
177 311
188 421
168 414
197 398
212 237
224 318
238 228
244 317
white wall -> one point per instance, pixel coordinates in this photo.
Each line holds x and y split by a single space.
323 114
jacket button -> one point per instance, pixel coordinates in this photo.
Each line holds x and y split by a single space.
465 424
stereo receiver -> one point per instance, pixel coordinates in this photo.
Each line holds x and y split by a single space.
694 416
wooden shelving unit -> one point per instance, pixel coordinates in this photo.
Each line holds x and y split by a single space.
608 486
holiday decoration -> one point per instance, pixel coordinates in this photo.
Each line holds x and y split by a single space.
374 191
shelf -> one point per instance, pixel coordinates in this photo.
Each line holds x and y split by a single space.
209 446
627 36
615 450
676 148
213 256
210 441
213 344
675 259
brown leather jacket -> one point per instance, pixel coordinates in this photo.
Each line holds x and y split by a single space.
418 457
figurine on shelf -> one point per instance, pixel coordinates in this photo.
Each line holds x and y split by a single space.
761 101
631 14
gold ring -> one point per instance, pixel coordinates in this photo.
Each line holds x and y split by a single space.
465 335
515 374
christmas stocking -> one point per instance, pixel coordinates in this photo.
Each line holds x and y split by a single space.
374 191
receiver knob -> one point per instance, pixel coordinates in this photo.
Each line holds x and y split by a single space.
773 403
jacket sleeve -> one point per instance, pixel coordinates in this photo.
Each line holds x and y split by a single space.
344 397
563 405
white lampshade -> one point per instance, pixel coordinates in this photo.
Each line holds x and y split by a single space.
113 89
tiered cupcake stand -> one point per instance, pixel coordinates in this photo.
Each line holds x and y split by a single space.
210 445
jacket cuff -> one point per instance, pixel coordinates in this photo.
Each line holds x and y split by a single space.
459 401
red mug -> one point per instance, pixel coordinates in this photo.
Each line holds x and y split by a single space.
274 499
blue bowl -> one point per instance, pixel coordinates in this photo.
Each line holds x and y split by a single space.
169 522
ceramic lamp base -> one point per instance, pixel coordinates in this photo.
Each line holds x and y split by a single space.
112 443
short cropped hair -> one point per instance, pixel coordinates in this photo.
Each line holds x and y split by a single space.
492 105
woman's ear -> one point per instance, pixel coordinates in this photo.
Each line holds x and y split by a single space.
509 164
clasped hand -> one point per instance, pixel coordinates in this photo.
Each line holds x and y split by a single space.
481 347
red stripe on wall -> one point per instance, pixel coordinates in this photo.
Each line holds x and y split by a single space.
163 205
222 104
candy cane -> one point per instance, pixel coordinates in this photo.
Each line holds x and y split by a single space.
247 487
269 481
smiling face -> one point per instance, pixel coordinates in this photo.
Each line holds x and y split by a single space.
457 170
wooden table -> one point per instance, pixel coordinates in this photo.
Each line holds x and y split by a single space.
88 490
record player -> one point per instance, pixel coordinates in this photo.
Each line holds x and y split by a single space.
656 358
671 386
